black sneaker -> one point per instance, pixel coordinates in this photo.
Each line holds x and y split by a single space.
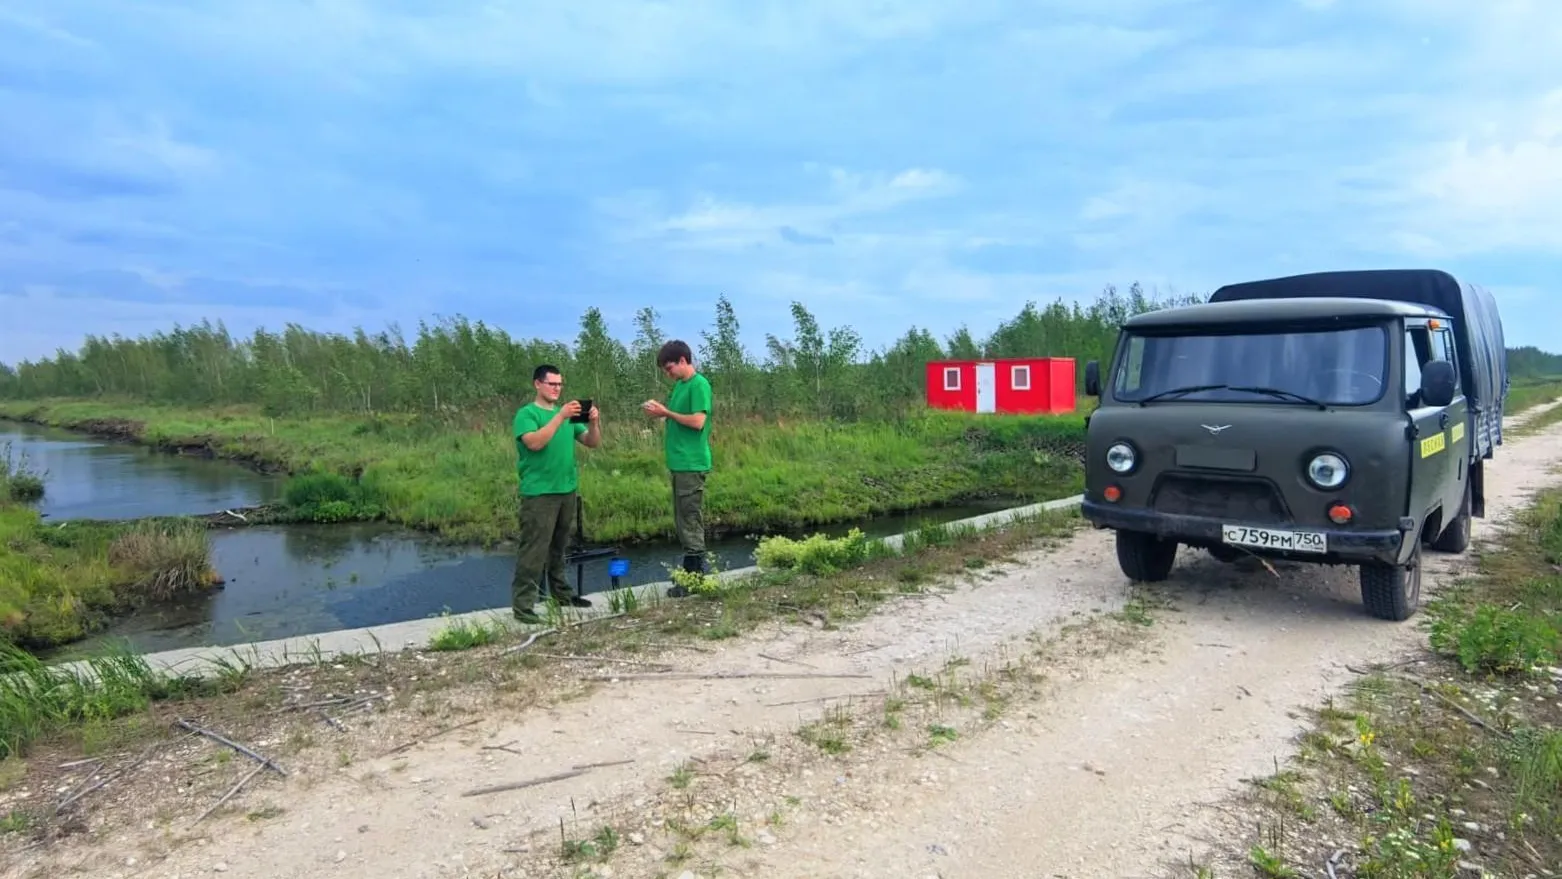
676 591
573 601
528 617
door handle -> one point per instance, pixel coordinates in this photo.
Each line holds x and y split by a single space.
1442 419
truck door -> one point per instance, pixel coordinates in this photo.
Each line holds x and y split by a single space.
1456 427
1429 454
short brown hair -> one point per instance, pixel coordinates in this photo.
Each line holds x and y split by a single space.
674 351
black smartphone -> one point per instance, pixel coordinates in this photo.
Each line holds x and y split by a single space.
585 412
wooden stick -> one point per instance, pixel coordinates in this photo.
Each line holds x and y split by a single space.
787 661
578 658
217 737
76 796
826 699
585 766
518 785
431 736
229 795
720 676
528 642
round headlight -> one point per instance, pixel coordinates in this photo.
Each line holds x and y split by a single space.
1120 457
1328 471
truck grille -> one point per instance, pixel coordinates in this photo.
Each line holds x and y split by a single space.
1236 500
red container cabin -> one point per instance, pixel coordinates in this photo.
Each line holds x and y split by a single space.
1022 385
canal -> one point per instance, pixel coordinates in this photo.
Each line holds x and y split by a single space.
285 581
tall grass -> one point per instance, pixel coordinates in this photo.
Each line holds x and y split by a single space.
37 700
18 480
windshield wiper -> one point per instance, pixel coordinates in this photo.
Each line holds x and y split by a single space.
1190 389
1250 389
1282 394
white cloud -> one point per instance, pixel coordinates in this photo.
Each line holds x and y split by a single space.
1497 191
714 223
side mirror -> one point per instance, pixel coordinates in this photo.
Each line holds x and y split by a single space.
1093 378
1437 383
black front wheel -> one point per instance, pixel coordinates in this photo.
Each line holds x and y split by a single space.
1145 557
1392 592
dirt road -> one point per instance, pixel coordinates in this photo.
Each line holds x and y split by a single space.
986 737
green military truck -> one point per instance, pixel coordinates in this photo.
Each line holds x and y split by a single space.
1342 418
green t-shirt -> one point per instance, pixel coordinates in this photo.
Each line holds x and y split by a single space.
689 450
551 470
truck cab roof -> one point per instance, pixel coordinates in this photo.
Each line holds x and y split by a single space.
1280 310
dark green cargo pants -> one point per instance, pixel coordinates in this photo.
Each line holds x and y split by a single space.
689 511
546 520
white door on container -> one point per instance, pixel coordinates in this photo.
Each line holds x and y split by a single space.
986 387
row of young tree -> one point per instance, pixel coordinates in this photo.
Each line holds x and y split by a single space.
459 365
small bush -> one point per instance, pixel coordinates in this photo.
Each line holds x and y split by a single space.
816 554
329 497
1496 640
163 560
18 481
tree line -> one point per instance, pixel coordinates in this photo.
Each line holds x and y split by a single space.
458 365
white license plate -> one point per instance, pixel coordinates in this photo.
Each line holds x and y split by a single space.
1273 538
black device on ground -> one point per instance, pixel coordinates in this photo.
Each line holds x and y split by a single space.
585 412
579 554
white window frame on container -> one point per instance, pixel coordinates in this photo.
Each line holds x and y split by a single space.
1014 377
954 373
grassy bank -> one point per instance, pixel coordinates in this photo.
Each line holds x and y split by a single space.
1446 766
456 476
59 583
1531 391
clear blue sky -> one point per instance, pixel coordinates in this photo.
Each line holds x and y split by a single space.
345 162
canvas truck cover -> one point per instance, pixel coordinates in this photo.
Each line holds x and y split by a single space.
1478 339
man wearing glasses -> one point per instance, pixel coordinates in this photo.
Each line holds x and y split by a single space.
687 447
545 437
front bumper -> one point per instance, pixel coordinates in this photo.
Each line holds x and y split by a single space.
1347 546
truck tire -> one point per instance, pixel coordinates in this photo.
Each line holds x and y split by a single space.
1456 537
1392 592
1145 557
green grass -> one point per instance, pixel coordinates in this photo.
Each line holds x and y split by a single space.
38 700
1524 393
456 477
60 582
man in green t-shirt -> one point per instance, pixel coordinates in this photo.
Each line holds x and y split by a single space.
686 445
545 466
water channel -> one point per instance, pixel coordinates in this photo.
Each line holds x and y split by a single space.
284 581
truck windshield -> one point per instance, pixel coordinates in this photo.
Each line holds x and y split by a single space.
1344 367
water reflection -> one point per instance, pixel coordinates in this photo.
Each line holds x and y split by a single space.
86 478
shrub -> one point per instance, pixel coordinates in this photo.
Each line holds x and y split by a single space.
318 496
18 481
816 554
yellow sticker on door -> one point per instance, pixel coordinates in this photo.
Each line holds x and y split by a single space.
1433 444
1457 433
